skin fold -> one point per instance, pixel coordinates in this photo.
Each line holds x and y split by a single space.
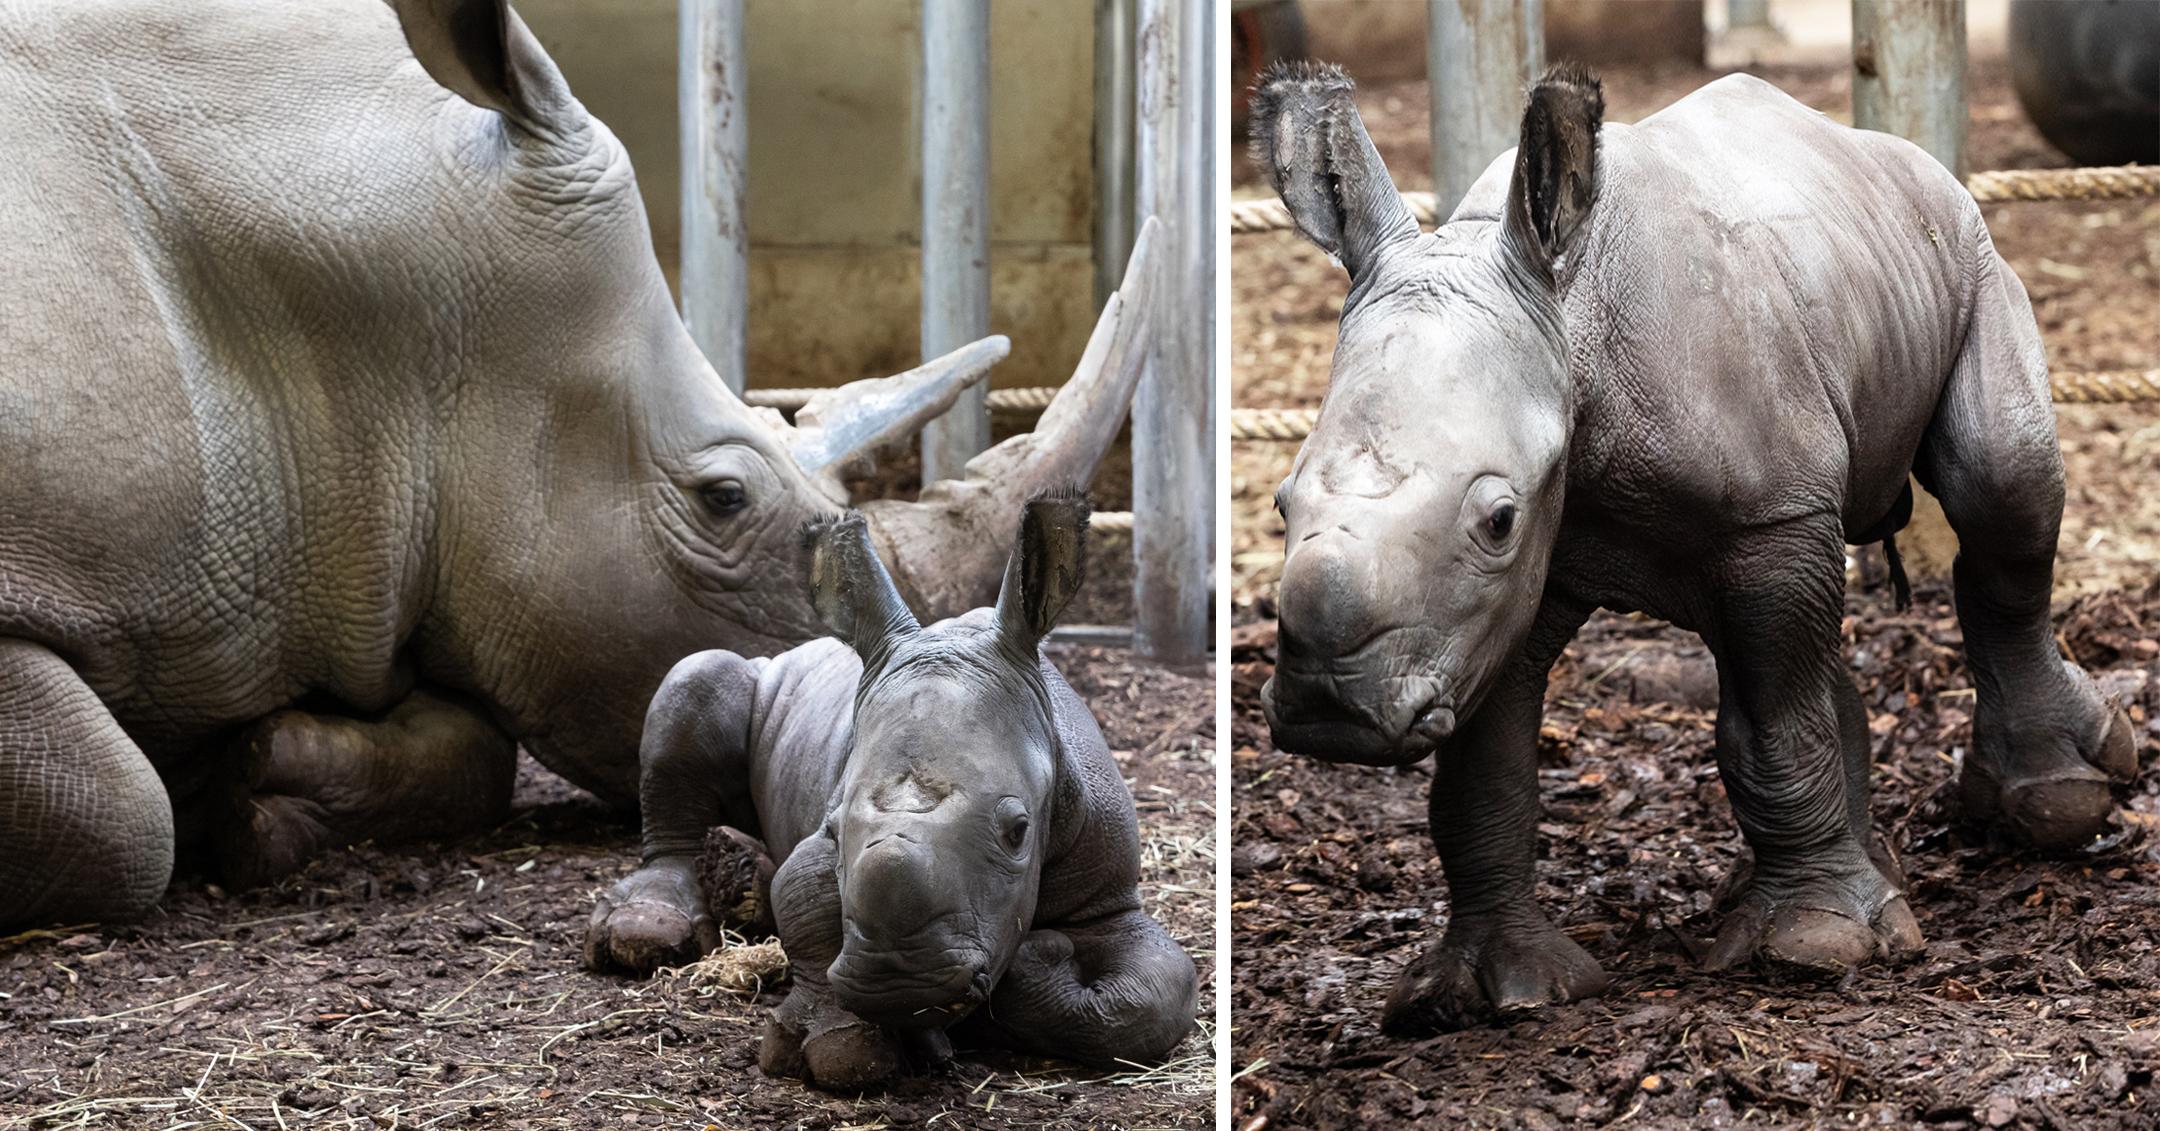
1674 367
350 440
957 846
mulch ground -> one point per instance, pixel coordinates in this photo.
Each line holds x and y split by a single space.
440 986
2036 1003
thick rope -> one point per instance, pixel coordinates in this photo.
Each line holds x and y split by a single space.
1032 399
2107 182
2122 386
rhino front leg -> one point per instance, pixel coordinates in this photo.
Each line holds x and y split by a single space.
810 1036
693 774
86 827
1500 955
1116 991
432 767
1791 751
2046 748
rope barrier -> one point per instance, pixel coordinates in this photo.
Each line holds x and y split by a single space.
2107 182
2122 386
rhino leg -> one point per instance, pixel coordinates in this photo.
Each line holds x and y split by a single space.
693 773
1792 750
1116 991
1500 955
86 827
432 767
2046 748
810 1036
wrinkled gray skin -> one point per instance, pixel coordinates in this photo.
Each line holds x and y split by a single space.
1672 367
954 831
348 439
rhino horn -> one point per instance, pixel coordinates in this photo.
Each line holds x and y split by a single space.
948 548
840 426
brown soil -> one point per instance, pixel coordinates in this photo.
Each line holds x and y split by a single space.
2038 999
440 986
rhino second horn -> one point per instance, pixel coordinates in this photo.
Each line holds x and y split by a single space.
948 549
840 425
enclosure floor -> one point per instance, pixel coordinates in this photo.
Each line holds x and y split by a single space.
2037 999
440 986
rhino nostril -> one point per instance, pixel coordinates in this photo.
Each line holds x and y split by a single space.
1436 723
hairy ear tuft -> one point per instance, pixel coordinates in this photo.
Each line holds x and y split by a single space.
1307 137
1555 180
1047 567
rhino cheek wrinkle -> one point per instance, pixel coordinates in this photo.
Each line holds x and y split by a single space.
1546 407
958 849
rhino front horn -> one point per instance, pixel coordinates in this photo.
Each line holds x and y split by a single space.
842 424
947 550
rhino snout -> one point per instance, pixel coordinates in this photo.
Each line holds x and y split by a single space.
1348 711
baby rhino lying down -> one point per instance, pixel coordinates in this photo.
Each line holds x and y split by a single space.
953 831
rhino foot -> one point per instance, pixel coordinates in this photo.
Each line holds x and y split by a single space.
2044 793
1484 971
651 918
812 1039
1817 926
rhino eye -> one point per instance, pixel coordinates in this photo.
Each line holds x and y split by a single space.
724 499
1501 522
1013 825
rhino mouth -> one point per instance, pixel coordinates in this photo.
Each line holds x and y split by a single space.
1309 716
894 989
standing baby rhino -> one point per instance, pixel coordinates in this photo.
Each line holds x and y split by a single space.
1674 367
953 831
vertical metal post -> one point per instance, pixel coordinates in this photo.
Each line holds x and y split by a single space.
955 85
1114 224
1478 58
1909 73
1172 436
1747 14
711 83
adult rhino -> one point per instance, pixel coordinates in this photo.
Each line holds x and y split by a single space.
1672 367
349 440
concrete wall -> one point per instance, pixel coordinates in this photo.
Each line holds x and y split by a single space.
835 190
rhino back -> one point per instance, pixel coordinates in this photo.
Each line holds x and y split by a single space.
1765 298
211 473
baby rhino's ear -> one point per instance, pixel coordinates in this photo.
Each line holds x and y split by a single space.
1307 135
850 589
1556 165
1047 566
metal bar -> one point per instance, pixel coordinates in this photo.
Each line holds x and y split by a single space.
1747 14
711 83
1478 58
1909 73
1172 413
1114 224
955 85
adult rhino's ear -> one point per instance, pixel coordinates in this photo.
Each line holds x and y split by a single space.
1307 135
1556 165
1048 564
482 52
853 594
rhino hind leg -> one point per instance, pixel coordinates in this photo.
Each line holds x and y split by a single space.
433 767
1792 751
86 826
1501 956
2047 750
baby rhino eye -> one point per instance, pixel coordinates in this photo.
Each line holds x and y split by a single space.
1501 522
1012 825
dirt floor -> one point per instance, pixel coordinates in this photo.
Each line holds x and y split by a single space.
441 987
2037 1002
